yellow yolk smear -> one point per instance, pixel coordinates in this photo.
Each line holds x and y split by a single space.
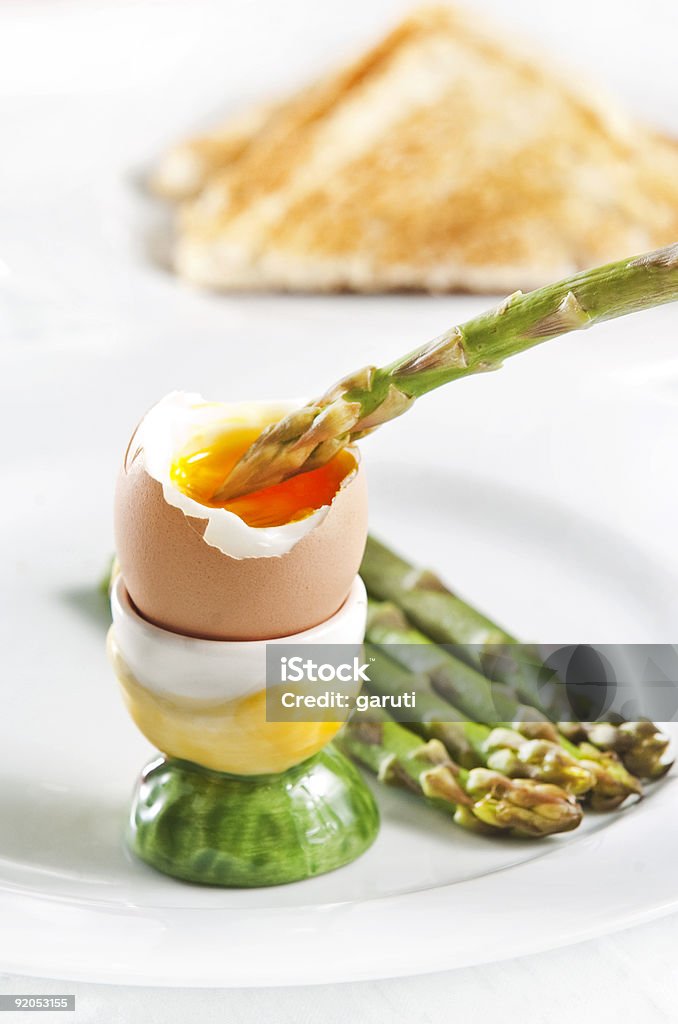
205 464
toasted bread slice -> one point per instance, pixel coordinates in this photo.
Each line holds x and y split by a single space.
443 159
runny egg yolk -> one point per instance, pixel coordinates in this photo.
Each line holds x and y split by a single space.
200 470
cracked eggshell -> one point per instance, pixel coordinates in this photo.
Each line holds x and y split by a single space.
180 582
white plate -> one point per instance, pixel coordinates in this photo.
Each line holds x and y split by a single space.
427 896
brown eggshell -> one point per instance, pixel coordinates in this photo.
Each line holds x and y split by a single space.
181 583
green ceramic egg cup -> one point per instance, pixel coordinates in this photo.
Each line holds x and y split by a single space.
246 831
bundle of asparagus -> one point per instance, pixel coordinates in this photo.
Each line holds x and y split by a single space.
446 618
517 747
459 711
471 743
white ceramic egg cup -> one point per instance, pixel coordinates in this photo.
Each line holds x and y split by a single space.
202 825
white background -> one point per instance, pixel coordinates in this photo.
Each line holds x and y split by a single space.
73 150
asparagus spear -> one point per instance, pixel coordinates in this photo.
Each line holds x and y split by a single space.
549 753
364 400
471 743
447 618
479 799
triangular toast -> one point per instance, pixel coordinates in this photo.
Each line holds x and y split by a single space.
443 159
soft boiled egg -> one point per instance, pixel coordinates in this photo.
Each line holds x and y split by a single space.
262 566
204 586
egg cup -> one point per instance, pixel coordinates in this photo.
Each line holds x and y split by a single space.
246 832
194 814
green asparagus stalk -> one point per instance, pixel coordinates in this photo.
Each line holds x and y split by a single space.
472 743
362 401
480 800
446 618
